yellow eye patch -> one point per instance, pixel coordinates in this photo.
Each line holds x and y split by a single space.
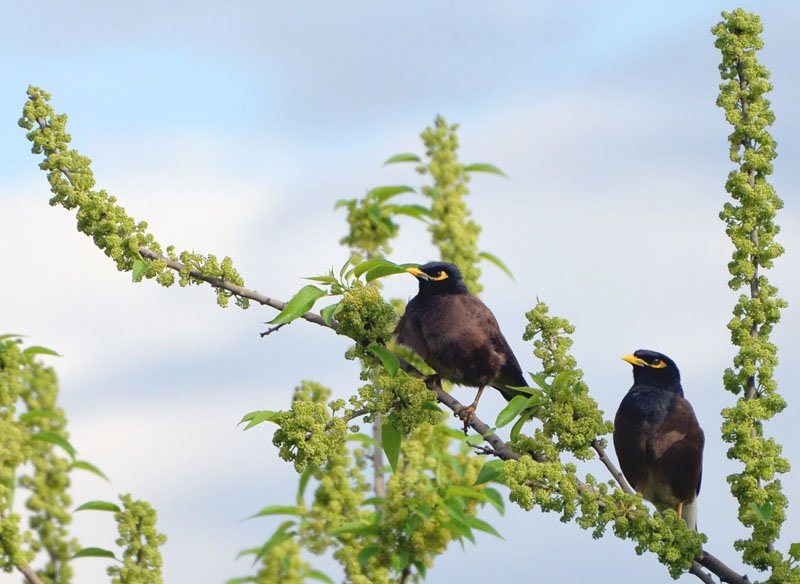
442 276
659 365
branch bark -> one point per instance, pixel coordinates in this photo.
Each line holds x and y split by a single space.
30 574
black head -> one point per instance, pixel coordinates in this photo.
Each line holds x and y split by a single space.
438 278
653 368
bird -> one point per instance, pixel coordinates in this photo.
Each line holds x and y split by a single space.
657 437
457 335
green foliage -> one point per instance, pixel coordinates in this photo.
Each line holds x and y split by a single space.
32 444
454 233
141 560
750 224
100 217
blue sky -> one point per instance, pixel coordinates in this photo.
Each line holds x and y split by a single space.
234 130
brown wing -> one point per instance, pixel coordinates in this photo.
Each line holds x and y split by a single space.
458 336
676 448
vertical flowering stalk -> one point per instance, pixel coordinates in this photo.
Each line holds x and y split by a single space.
750 225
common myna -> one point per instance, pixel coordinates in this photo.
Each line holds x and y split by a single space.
658 441
457 335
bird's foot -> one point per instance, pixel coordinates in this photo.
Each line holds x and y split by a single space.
466 413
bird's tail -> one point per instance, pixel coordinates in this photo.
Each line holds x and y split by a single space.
509 377
690 514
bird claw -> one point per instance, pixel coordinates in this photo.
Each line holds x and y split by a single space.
466 413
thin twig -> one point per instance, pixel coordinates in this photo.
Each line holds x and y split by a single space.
601 452
233 288
271 330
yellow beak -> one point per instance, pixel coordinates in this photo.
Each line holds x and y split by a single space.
634 360
417 273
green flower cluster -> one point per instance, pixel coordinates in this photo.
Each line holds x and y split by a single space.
49 482
453 232
141 563
571 419
365 317
283 564
553 486
99 216
28 439
750 224
309 433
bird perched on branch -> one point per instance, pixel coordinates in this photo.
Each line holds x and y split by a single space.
457 335
658 441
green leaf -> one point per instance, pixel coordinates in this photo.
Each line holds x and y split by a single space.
389 360
241 580
368 265
794 551
391 439
484 167
404 157
93 552
365 439
420 568
317 575
276 510
562 379
381 271
56 439
448 431
381 194
466 492
343 203
139 268
474 439
481 525
511 411
90 467
416 211
490 471
247 552
10 336
33 414
329 279
496 499
301 488
375 501
259 416
278 537
764 512
369 551
35 350
327 313
539 379
99 506
497 262
299 304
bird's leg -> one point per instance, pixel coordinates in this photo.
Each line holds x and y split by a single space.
466 413
434 380
680 509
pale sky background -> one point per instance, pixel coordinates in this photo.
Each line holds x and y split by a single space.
233 130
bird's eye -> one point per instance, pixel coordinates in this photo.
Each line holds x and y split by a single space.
440 274
656 361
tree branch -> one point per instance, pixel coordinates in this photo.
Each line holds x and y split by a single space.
233 288
30 574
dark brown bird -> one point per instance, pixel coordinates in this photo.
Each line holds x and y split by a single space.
658 441
457 335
